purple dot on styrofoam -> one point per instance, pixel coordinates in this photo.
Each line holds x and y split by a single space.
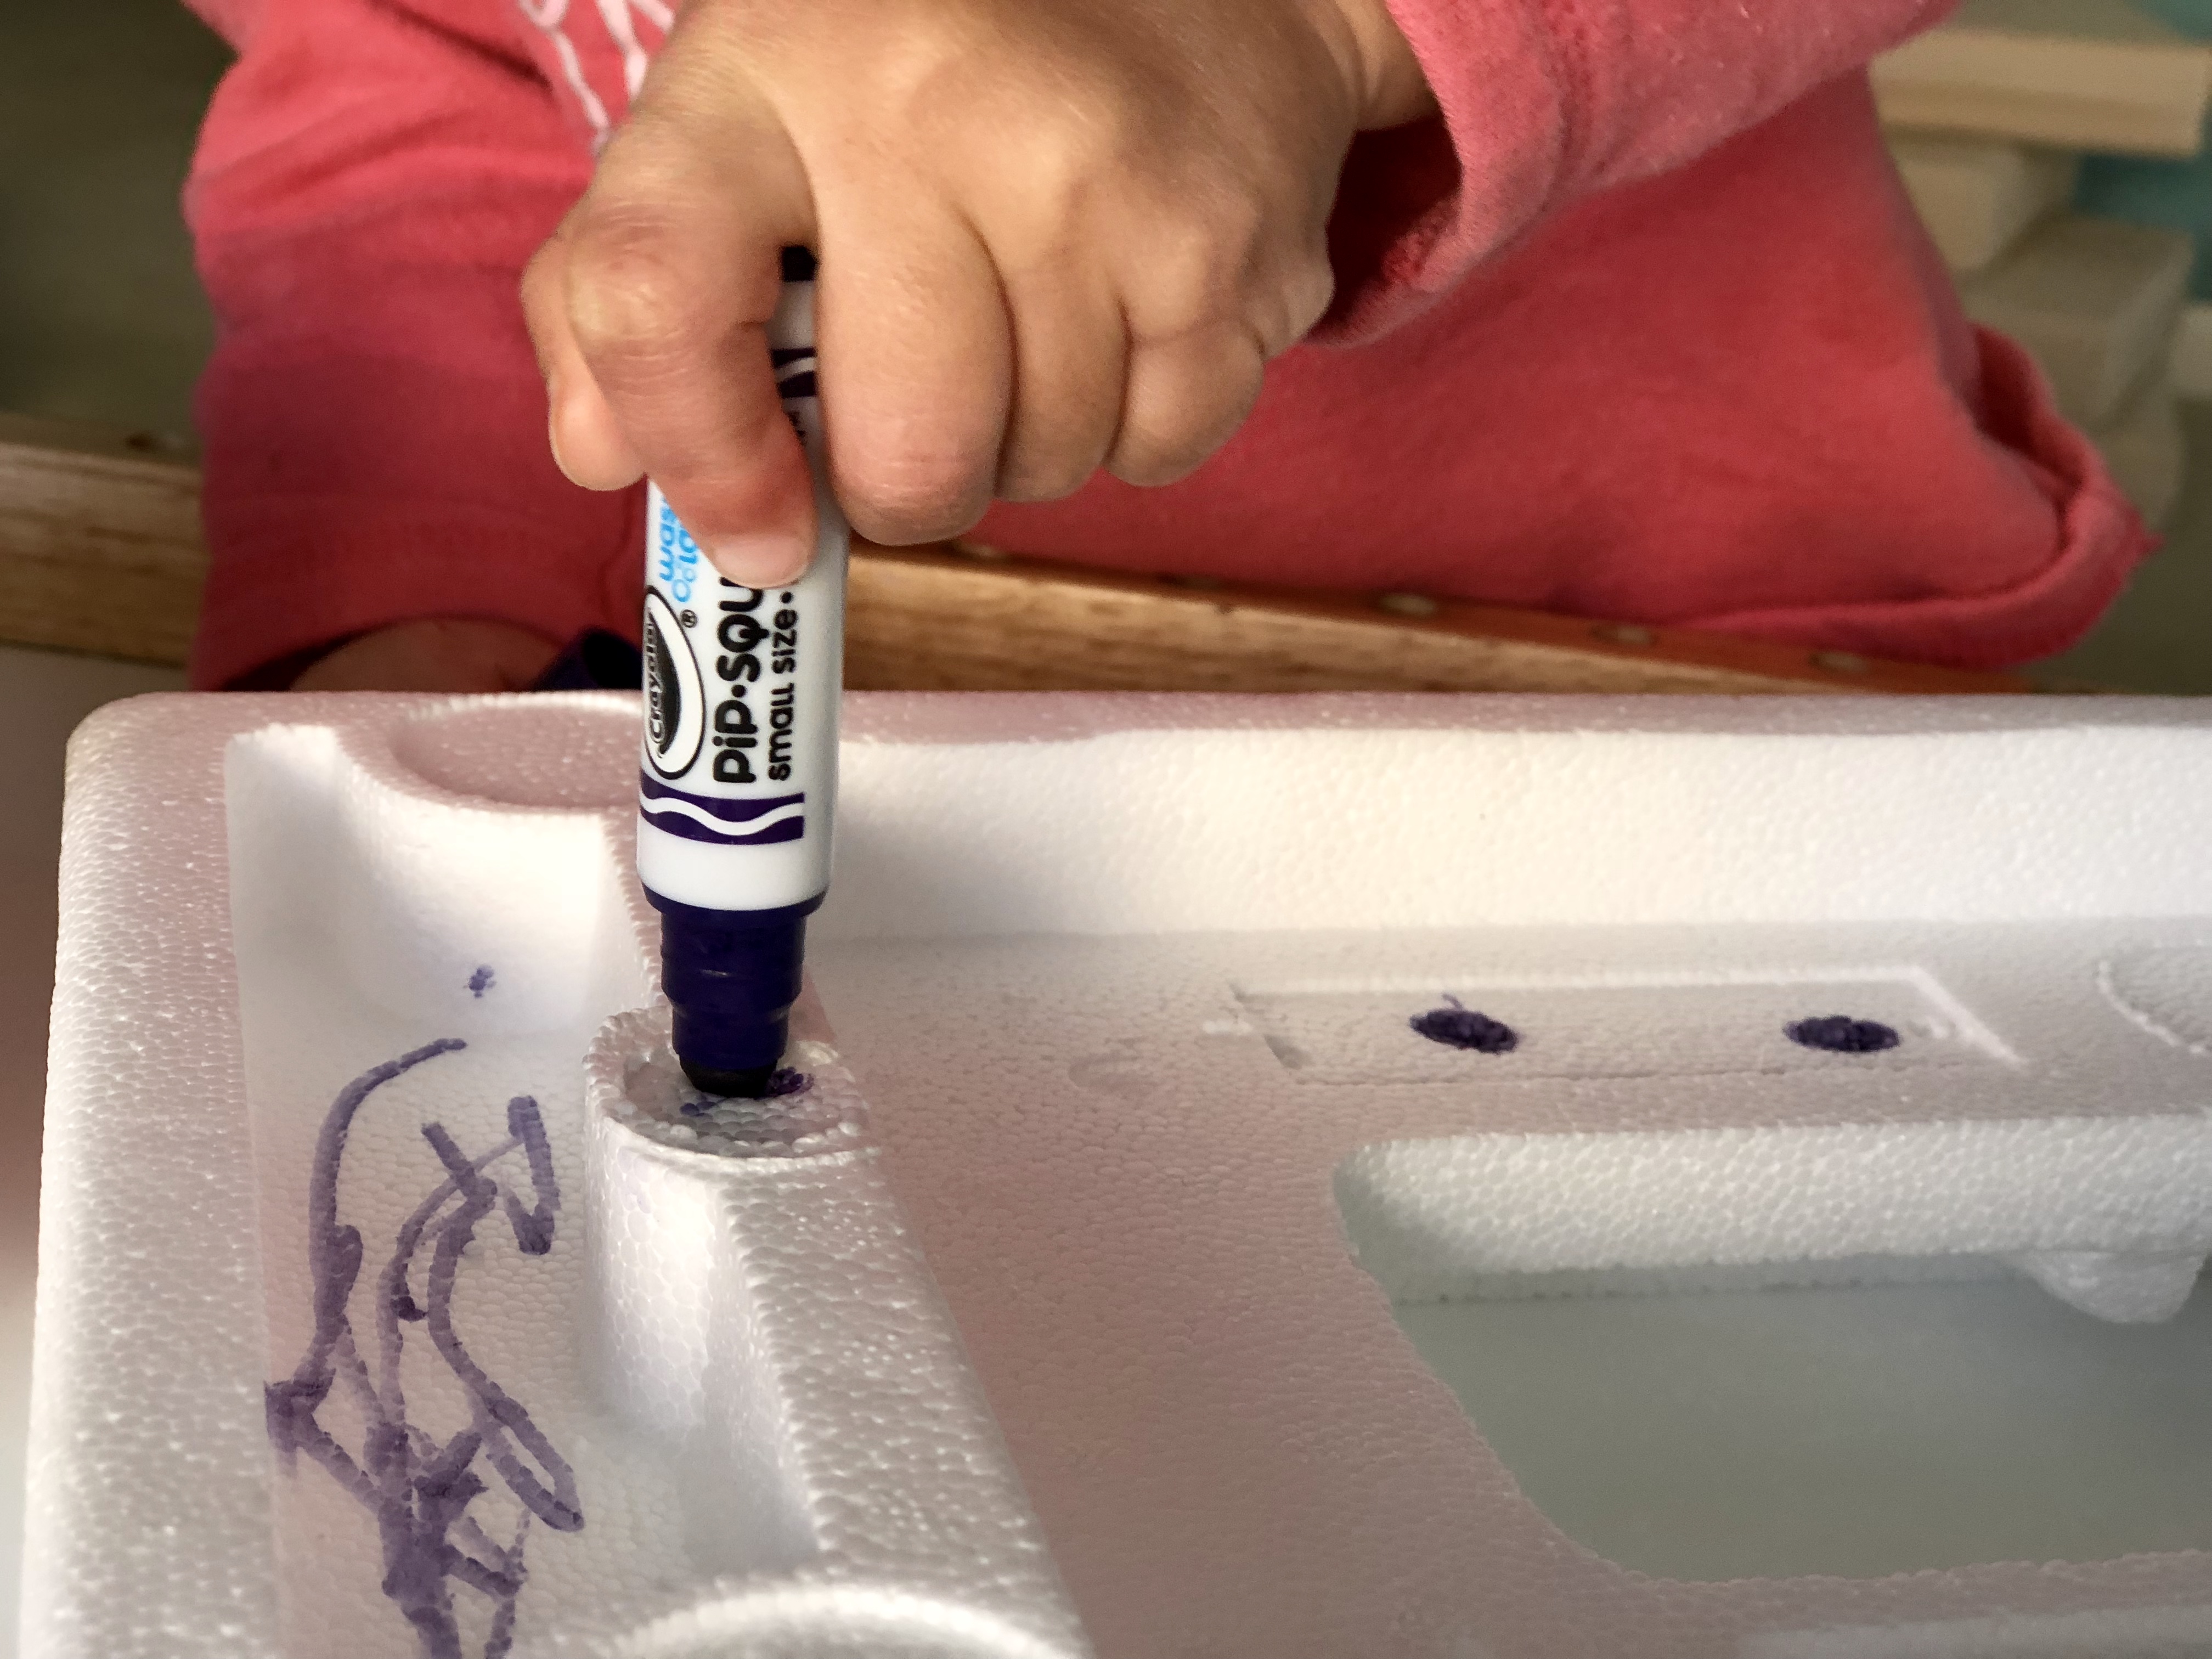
480 981
1461 1027
1839 1034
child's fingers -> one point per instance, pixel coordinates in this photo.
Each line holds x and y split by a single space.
671 277
1204 325
1184 399
1054 235
916 363
587 445
1071 355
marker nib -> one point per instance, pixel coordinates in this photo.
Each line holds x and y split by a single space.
747 1081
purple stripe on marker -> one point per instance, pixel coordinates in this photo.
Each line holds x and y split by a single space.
721 806
675 824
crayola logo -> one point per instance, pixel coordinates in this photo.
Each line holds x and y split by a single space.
675 713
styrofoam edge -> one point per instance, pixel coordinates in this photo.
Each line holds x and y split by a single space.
1429 1219
911 719
840 1621
85 1551
2102 1633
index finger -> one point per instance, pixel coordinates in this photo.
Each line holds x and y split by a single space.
673 271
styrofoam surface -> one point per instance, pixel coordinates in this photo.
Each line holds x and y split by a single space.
1055 1316
47 694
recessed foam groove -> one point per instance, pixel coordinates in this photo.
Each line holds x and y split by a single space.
1053 1314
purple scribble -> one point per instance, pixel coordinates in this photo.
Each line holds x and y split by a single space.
1461 1027
1839 1034
480 981
418 1488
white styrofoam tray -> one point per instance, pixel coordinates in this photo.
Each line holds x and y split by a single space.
1056 1316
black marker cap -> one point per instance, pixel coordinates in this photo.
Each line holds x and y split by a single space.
799 264
731 977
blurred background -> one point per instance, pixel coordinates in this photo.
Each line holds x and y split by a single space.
100 318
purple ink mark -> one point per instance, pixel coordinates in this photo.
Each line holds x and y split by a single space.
1839 1034
480 981
1461 1027
418 1489
782 1083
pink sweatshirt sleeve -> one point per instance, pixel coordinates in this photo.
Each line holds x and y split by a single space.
1545 101
370 181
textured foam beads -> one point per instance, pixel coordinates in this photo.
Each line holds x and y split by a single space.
396 1290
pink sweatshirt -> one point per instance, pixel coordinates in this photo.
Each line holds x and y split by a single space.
1643 328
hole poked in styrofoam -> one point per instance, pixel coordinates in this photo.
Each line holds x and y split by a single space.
1621 1024
817 1112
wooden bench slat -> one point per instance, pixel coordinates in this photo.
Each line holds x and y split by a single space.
101 552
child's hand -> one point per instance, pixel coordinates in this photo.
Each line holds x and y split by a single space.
1056 234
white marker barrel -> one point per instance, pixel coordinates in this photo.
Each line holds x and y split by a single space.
739 782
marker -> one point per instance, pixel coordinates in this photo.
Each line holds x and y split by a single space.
740 777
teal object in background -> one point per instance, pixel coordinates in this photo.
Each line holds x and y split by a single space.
2190 16
2175 194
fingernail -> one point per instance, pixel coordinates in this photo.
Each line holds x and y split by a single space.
553 405
553 441
759 561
